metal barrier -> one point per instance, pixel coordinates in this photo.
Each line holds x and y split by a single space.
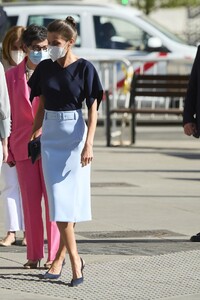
113 74
116 75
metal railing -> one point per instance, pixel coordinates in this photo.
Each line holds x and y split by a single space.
116 75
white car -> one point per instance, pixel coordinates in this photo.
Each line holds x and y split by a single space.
109 31
104 30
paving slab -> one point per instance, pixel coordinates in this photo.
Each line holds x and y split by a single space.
145 203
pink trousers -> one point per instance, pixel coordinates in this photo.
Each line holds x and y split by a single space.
32 187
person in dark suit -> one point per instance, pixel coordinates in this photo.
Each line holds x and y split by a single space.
191 112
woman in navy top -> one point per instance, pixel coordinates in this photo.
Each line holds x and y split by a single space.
63 83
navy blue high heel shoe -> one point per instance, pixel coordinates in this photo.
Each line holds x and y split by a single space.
48 275
78 281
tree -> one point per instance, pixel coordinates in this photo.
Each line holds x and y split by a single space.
176 3
148 5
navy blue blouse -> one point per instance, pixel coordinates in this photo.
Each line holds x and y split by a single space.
66 88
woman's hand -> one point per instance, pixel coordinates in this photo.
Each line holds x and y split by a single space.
36 134
87 154
4 142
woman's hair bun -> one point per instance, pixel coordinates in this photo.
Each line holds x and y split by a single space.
70 20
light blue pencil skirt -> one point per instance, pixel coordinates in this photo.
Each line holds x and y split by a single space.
67 182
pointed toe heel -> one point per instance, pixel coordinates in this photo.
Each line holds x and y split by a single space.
76 282
48 275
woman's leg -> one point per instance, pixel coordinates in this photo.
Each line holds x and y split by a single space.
68 236
58 262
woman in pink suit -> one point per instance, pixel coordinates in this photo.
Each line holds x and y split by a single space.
30 175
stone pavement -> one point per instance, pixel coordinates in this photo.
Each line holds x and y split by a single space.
146 206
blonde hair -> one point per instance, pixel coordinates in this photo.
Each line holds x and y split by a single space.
12 35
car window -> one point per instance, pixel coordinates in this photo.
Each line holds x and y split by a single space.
12 21
162 29
116 33
44 20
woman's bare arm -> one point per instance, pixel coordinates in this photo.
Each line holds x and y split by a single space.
37 125
87 153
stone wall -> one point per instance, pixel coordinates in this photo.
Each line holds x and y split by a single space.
178 21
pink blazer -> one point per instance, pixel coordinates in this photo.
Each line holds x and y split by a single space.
22 111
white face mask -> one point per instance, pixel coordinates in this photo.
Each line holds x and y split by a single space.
56 52
17 56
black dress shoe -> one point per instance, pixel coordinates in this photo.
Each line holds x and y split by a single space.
195 238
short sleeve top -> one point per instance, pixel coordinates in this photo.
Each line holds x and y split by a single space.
66 88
